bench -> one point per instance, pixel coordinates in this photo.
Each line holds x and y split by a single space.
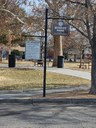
85 64
82 65
41 63
38 62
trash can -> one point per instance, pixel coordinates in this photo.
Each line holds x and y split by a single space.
12 60
60 63
23 56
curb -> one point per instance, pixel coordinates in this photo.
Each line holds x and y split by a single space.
64 101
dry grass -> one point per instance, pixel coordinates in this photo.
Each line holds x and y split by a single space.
25 79
75 66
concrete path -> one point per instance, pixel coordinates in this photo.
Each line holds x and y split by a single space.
81 74
35 92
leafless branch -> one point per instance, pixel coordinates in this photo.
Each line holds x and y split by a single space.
13 15
74 2
79 30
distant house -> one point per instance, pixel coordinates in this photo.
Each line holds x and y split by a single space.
88 53
75 54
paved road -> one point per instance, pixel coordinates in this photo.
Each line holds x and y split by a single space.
47 116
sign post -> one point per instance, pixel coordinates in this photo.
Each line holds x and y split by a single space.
45 53
58 29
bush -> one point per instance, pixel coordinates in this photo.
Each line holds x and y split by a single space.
16 52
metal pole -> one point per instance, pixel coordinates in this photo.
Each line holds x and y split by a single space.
45 53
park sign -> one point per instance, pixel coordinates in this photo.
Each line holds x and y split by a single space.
32 50
59 28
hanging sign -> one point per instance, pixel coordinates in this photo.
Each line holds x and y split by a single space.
59 28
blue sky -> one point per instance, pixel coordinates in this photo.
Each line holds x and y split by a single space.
27 7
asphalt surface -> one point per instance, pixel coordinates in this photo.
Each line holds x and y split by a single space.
47 116
17 110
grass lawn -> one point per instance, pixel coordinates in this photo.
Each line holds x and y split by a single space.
75 66
30 78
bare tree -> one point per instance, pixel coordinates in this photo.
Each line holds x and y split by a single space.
11 19
82 14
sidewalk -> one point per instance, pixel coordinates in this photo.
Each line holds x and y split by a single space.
75 73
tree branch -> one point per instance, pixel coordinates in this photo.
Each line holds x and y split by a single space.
75 2
13 15
4 3
49 4
78 30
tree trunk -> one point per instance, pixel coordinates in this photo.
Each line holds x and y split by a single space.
9 39
0 55
80 58
93 71
75 57
57 49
